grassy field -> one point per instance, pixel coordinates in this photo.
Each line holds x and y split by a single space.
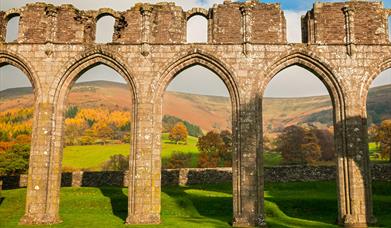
91 157
311 204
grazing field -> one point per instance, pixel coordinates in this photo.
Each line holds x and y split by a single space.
311 204
91 157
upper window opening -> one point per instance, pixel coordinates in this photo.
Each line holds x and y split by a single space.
293 26
197 29
12 29
105 29
389 28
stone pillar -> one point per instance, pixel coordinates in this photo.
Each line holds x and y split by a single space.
354 178
246 26
144 169
41 200
349 29
247 168
146 12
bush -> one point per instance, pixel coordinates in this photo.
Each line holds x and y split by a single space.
117 162
15 160
216 150
178 160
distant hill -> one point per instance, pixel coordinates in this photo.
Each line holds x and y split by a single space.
209 112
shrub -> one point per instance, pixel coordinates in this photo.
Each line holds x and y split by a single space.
178 160
117 162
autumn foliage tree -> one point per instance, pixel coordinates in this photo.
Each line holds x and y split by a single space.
215 149
298 145
178 133
384 138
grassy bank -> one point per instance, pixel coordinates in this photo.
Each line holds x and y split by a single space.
311 204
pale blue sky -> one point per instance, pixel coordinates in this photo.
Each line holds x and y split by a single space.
294 81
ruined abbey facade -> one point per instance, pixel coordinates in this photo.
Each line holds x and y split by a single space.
345 44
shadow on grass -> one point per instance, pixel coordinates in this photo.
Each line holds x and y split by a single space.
215 208
1 200
118 200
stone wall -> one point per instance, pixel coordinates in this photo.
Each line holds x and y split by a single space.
192 176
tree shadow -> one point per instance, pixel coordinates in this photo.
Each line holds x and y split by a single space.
213 207
118 200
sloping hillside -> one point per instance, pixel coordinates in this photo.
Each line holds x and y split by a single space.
208 111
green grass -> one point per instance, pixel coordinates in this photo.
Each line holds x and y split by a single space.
374 154
191 147
91 157
272 158
297 204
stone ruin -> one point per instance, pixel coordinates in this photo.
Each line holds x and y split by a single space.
346 45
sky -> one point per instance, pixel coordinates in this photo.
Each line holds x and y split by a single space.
291 82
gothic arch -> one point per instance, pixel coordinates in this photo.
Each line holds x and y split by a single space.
378 67
61 89
198 57
225 73
317 67
8 58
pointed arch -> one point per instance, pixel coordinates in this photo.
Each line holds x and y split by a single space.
198 57
378 67
317 67
8 58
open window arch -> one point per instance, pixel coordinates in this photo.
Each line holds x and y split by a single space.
389 27
105 23
197 28
12 27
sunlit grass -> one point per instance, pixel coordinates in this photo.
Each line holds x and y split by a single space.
311 204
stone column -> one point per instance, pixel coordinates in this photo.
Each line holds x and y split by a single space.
247 168
246 26
144 169
349 29
41 207
354 178
146 12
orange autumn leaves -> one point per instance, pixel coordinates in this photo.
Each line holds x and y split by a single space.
89 126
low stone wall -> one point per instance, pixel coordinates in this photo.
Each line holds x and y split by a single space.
191 176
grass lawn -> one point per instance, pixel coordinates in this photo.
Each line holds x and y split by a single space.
191 147
311 204
91 157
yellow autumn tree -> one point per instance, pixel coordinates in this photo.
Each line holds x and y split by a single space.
178 133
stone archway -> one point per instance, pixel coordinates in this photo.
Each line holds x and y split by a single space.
53 118
349 211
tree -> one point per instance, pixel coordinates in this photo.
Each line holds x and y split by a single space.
211 145
299 145
178 160
103 131
117 162
384 137
15 160
225 154
326 142
310 148
289 144
178 133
